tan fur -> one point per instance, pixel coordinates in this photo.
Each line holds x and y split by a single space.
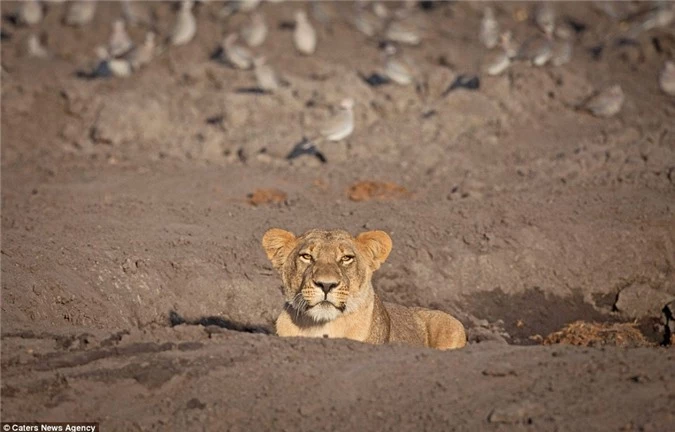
327 286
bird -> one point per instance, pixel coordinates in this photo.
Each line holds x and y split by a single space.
340 126
108 66
366 23
469 82
398 32
544 17
616 10
375 79
489 29
564 30
335 129
119 43
667 78
35 48
266 78
234 54
135 12
304 35
663 16
185 26
255 32
380 10
80 13
537 50
247 5
142 54
497 63
509 45
233 6
395 69
405 9
306 147
29 13
605 103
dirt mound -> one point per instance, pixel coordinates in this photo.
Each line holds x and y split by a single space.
267 196
367 190
580 333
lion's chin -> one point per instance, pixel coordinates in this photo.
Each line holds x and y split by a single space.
324 311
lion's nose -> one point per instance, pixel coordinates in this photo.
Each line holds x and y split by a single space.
326 286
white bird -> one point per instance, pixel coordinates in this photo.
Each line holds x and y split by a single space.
186 25
489 29
35 48
304 35
29 12
136 12
564 31
616 10
509 45
406 9
394 69
661 17
80 13
538 50
266 78
366 23
118 67
606 103
380 10
143 54
341 125
235 54
119 43
667 78
544 17
561 53
398 32
233 6
247 5
497 62
255 32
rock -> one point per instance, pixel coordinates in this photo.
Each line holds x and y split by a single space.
518 412
640 300
130 266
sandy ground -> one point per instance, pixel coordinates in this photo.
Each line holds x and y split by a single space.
125 199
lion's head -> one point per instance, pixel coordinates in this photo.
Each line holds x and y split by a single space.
326 273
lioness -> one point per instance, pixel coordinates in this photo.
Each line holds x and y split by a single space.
328 291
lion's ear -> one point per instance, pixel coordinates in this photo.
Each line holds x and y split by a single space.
376 245
278 244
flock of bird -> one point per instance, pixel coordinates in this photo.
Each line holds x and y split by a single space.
380 21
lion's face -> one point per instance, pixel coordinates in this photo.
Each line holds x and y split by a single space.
326 273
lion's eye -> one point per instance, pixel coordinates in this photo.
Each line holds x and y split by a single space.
347 259
306 257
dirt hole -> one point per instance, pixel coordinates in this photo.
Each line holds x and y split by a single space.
536 318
